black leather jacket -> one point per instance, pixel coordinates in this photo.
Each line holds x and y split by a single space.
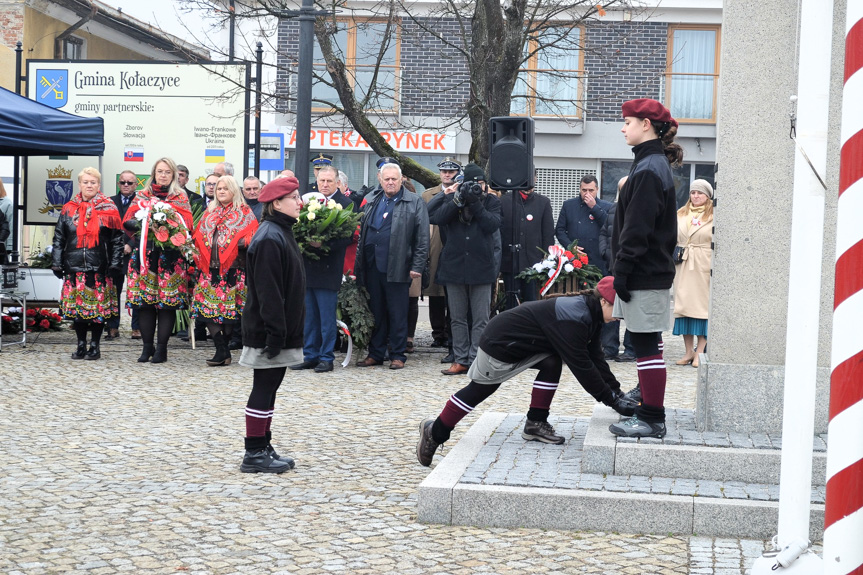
106 254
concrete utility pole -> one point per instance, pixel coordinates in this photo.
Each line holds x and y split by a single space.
843 516
807 243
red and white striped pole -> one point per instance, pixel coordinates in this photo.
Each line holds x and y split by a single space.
843 518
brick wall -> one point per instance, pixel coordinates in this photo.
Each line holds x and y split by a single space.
11 23
288 60
624 61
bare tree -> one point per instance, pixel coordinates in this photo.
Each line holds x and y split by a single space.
498 45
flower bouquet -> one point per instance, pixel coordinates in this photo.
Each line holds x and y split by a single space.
167 228
563 264
41 259
321 221
36 320
353 310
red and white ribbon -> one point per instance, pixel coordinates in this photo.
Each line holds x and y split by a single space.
347 332
558 253
145 226
843 516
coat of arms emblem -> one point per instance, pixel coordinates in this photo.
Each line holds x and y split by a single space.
58 191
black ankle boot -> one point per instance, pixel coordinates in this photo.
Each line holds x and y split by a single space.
81 351
94 352
161 353
147 353
223 355
258 459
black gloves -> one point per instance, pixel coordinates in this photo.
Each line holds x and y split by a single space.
271 351
620 288
58 272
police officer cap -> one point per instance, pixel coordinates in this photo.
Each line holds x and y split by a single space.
322 159
387 160
449 163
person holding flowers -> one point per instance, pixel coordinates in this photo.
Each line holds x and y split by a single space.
88 256
160 220
324 278
224 232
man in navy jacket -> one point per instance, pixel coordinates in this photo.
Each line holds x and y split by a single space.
581 218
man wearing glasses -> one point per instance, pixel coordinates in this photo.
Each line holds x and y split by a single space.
127 183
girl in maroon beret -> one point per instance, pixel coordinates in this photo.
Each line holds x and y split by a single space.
642 244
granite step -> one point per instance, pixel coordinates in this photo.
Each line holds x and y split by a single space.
686 452
492 477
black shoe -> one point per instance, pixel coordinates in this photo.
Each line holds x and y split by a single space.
306 365
622 404
541 431
284 458
610 357
439 343
624 357
81 351
223 355
235 344
147 353
262 461
426 446
94 352
634 394
161 354
324 367
449 358
182 334
200 334
634 427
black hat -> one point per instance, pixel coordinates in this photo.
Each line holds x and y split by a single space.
322 159
472 172
386 160
449 163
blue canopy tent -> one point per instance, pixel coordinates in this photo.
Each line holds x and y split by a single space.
28 128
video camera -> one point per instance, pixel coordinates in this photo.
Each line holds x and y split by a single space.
467 192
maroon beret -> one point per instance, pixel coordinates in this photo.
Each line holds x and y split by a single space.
605 287
279 188
647 108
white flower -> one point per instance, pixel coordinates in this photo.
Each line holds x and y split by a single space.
331 204
161 206
310 215
49 249
548 264
551 273
338 207
159 216
538 267
141 214
568 268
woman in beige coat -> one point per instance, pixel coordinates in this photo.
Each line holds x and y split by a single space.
692 278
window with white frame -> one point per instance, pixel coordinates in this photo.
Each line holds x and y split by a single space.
371 55
551 83
692 73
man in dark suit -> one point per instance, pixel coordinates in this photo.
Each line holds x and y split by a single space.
127 184
323 280
319 162
183 179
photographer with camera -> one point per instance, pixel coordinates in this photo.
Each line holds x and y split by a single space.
468 217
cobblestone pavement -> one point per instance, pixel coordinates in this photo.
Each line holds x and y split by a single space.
114 466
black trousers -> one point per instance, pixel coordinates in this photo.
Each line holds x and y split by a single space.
389 303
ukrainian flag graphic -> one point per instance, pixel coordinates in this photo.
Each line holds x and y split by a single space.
214 155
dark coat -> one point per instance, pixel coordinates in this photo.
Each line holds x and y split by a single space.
195 199
118 201
105 255
535 234
274 314
326 273
645 223
467 256
256 207
605 239
4 230
409 237
578 222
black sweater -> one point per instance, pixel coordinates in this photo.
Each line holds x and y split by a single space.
566 326
645 223
274 312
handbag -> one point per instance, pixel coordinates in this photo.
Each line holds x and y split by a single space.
678 254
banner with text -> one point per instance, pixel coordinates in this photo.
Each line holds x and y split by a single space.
191 113
407 141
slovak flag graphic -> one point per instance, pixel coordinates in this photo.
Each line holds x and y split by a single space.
133 154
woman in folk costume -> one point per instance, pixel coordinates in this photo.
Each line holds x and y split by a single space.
88 256
157 284
222 237
692 280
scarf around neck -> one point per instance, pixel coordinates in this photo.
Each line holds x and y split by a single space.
157 193
89 216
233 225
